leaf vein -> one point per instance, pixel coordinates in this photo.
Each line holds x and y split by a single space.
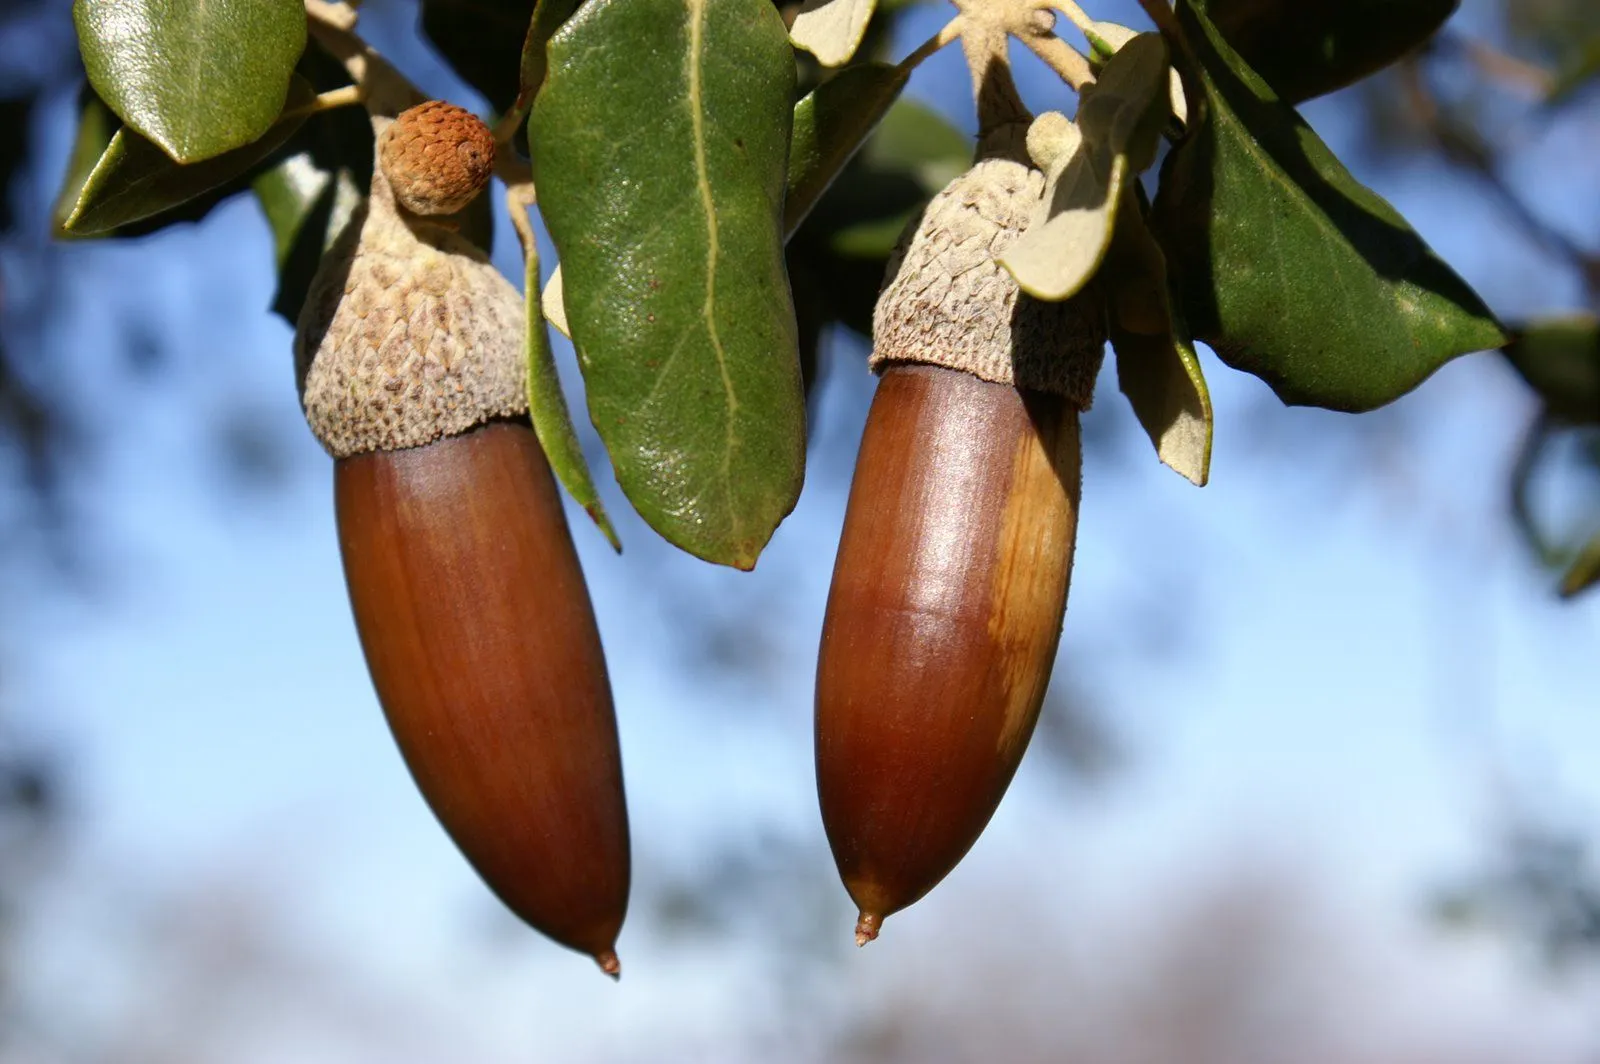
697 19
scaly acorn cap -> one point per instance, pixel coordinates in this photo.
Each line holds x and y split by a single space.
408 334
949 303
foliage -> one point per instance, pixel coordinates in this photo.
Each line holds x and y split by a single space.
1261 222
720 192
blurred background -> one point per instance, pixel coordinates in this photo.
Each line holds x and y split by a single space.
1318 779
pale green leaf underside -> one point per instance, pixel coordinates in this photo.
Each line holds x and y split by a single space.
1106 38
1064 245
553 303
1162 379
1072 227
831 30
1157 368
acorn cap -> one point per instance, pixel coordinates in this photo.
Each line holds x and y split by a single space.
409 334
949 303
437 156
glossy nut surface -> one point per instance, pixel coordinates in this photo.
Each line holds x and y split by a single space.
482 645
942 623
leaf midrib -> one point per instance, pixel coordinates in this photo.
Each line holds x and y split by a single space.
697 17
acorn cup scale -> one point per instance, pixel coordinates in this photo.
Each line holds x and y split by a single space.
466 589
951 581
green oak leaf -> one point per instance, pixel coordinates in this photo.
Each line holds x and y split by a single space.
134 179
831 122
96 126
308 199
548 15
552 420
1305 48
197 78
1290 268
1560 359
660 141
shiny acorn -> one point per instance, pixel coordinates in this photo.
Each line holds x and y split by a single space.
467 593
951 581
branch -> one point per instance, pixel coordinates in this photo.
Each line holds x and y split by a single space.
1500 67
386 91
950 32
1071 65
1462 146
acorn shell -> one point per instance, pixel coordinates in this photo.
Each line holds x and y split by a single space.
942 623
482 645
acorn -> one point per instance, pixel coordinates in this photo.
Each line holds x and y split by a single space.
466 589
951 581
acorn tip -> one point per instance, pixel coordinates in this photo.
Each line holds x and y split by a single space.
867 927
609 964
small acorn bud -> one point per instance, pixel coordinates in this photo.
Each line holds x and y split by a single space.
437 157
951 579
466 589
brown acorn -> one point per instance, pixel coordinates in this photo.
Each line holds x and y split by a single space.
951 580
467 594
